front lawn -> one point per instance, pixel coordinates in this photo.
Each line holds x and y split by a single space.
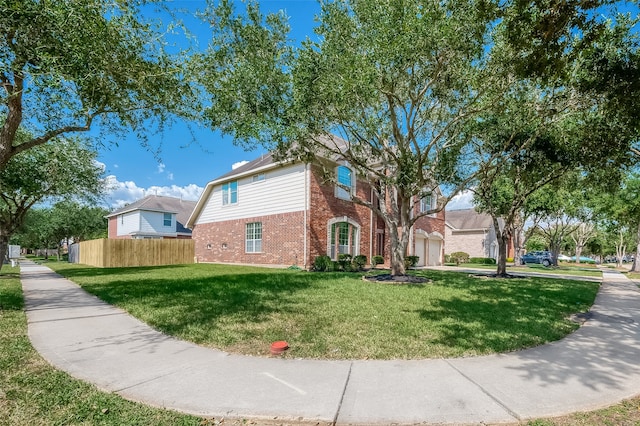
338 315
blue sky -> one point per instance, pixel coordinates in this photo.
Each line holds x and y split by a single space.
190 155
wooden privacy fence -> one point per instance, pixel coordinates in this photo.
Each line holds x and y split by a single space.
112 253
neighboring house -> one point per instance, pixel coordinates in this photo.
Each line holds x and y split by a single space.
153 216
473 233
272 213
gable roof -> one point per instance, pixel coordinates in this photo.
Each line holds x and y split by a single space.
263 163
468 219
157 203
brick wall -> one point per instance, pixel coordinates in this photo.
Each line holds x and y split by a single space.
432 224
324 206
282 240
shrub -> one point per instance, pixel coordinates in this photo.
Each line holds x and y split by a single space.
323 264
344 260
411 261
459 257
482 260
510 259
377 260
359 262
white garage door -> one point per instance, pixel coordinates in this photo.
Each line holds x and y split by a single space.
435 250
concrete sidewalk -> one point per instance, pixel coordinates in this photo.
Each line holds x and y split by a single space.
596 366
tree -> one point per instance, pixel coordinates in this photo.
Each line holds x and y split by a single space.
396 81
562 210
528 146
619 210
65 66
62 168
581 236
71 221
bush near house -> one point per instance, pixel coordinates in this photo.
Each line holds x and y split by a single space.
345 263
459 257
377 260
411 261
323 264
482 260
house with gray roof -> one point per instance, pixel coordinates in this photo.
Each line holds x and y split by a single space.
152 217
471 232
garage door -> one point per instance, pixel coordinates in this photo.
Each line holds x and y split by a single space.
435 250
420 245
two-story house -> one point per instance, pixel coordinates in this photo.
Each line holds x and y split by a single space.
268 212
153 216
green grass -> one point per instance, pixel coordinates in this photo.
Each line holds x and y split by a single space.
34 393
338 315
563 268
582 270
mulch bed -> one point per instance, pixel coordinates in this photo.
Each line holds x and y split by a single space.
397 279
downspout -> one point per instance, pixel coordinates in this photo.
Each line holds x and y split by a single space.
306 208
371 230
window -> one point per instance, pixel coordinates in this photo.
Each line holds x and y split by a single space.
253 242
167 219
344 179
427 203
344 239
258 178
230 193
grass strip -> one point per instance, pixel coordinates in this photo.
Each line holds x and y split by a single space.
34 393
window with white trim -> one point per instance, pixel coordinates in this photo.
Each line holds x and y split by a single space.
345 178
428 202
166 219
344 239
253 242
230 193
260 177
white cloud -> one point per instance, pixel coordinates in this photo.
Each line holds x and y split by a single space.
463 200
161 167
122 193
238 164
100 165
170 176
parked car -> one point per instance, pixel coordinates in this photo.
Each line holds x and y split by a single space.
583 259
563 258
543 257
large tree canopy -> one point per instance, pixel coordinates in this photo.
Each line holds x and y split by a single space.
65 65
403 84
62 168
396 81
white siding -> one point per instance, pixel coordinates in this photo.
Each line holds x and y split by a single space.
153 222
128 223
283 191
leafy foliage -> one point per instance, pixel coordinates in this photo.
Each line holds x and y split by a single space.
65 65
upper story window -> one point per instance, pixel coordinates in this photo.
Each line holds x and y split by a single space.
428 202
230 193
260 177
166 219
345 178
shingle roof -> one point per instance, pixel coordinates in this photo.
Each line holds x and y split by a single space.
157 203
468 219
261 161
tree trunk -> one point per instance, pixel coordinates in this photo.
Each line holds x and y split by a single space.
502 235
636 264
4 247
578 253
